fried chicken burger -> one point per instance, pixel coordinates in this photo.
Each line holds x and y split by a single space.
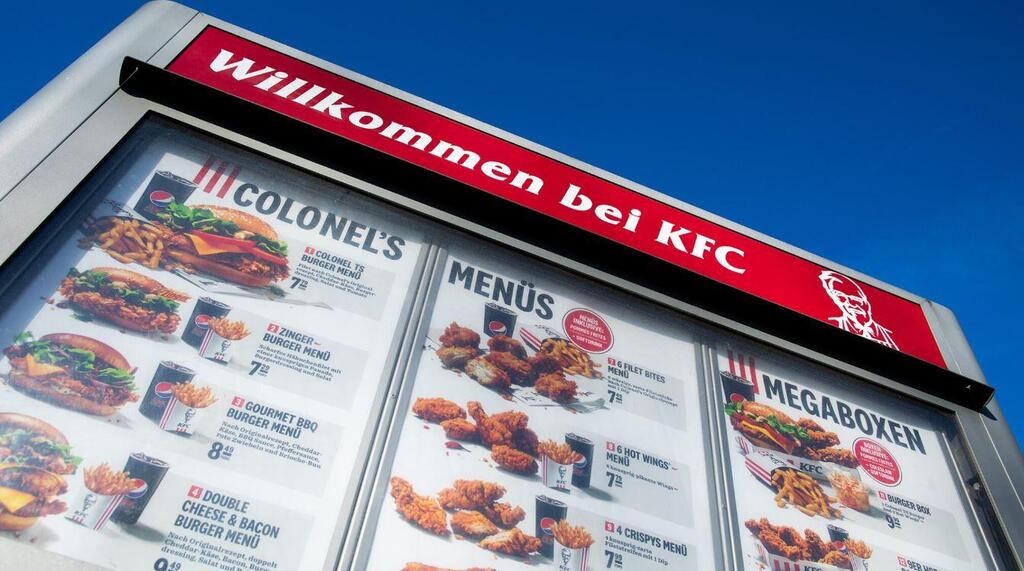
226 243
28 441
125 298
28 493
71 371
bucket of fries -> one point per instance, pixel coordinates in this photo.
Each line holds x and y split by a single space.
571 546
557 461
104 489
220 339
187 400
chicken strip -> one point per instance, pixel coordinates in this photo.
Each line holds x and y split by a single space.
437 409
423 511
457 336
506 344
456 357
518 370
816 547
470 495
487 374
511 542
504 514
834 454
837 558
513 460
460 429
473 524
556 387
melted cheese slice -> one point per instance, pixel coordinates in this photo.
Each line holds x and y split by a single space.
37 369
13 500
204 248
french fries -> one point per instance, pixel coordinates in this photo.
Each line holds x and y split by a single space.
803 493
560 453
104 481
571 536
574 360
193 396
231 330
128 240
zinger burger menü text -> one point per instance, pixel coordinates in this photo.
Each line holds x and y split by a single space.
71 371
26 494
226 243
28 441
124 298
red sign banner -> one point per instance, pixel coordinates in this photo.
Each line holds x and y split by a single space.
502 168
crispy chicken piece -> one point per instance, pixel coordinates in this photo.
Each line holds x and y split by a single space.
420 510
794 539
544 363
501 428
424 567
470 495
476 411
778 546
513 460
837 558
517 369
511 542
755 526
473 524
816 547
457 336
525 440
460 429
506 344
487 374
819 437
504 514
437 409
456 357
556 387
834 454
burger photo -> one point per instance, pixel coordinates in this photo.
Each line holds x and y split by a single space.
225 243
125 298
28 493
28 441
71 371
765 426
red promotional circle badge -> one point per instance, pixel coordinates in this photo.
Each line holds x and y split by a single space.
588 330
877 462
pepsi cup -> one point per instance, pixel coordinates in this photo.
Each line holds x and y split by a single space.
584 449
163 189
206 309
737 388
159 393
549 511
150 472
837 534
499 320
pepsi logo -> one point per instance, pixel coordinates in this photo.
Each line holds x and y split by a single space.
581 461
161 198
163 389
497 327
202 321
141 487
546 524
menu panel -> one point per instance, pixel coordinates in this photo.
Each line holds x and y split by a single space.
549 425
189 378
830 475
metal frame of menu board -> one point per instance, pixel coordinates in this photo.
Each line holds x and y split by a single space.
52 143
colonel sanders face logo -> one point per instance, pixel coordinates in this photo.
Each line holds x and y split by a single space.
856 309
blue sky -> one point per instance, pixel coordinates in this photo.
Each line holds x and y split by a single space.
887 136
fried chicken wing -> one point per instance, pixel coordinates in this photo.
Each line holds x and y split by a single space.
511 542
556 387
504 514
513 460
776 545
476 411
470 495
423 511
834 454
473 524
517 369
506 344
818 436
437 409
456 357
837 558
487 374
456 336
460 429
500 428
544 363
525 440
816 547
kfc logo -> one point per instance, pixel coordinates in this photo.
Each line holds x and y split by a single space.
856 315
